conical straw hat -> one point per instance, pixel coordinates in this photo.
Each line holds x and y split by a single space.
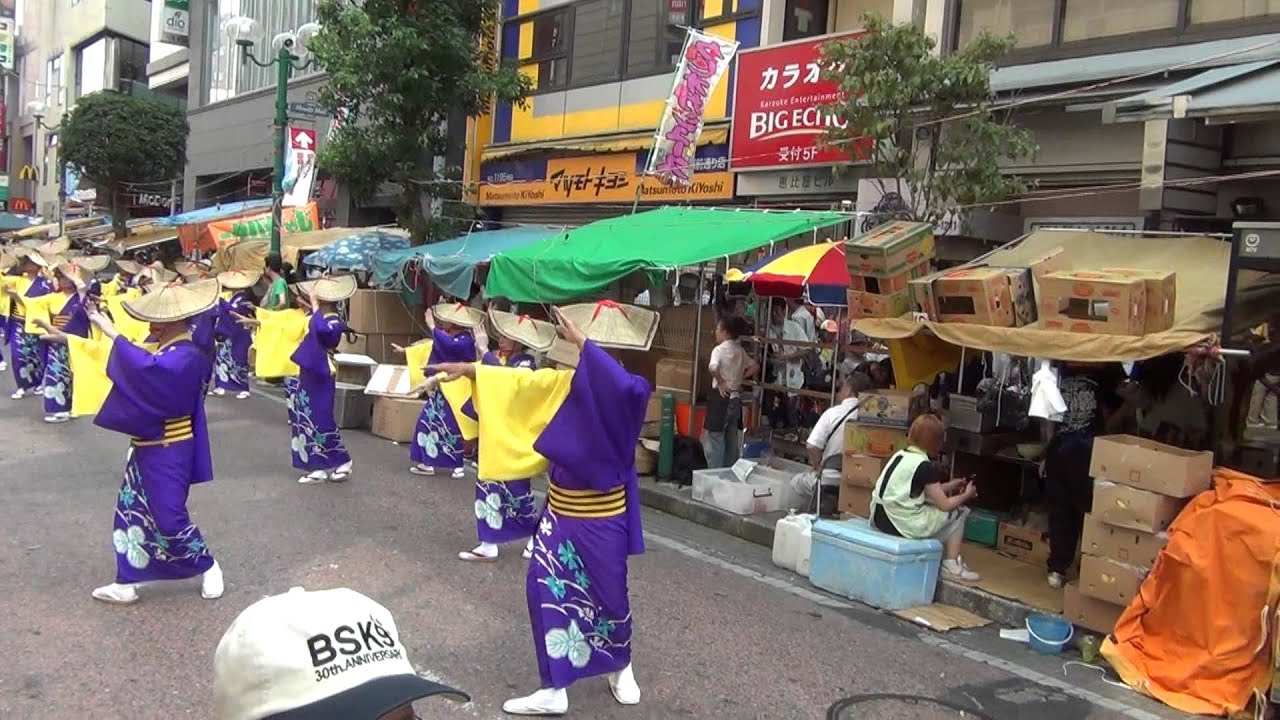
94 263
55 247
45 260
533 334
329 289
158 273
239 279
172 302
31 243
129 267
188 269
459 314
77 273
7 261
611 324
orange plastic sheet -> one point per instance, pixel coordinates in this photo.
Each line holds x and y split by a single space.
1202 634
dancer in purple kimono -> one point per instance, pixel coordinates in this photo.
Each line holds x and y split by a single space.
577 581
69 319
231 364
438 442
24 347
156 400
316 441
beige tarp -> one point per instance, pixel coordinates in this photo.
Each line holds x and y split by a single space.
246 254
1200 262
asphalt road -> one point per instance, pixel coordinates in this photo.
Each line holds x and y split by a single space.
720 633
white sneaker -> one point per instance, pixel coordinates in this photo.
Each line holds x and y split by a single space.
243 395
116 594
459 473
623 686
18 394
957 570
421 469
312 478
211 585
547 701
1057 580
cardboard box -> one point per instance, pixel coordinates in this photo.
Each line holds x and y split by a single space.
1093 302
890 248
1162 295
378 346
871 305
1028 543
1110 580
890 284
1055 260
382 312
872 440
861 470
923 298
396 418
1131 547
674 373
888 408
1090 613
1022 296
854 500
1129 507
1149 465
977 296
389 380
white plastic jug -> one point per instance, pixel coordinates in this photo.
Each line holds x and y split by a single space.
792 538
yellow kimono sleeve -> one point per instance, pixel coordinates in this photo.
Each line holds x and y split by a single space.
416 357
88 359
5 301
279 334
457 393
515 406
39 308
110 287
133 329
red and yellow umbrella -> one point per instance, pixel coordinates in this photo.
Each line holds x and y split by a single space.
818 270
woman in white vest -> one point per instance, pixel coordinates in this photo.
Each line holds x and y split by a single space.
910 500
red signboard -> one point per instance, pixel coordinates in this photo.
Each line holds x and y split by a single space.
776 118
302 139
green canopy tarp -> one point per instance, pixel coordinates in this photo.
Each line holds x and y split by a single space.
578 262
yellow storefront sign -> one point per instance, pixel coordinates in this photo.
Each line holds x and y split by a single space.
610 178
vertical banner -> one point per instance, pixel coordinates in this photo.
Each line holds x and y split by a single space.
175 22
702 63
299 166
8 33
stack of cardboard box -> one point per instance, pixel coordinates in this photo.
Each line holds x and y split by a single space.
396 403
1140 486
382 319
985 295
1109 301
879 431
883 262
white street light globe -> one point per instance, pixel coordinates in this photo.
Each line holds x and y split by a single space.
283 40
306 34
242 30
36 108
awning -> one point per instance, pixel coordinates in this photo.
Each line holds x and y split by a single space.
598 143
451 263
1201 265
140 240
215 212
1225 93
578 262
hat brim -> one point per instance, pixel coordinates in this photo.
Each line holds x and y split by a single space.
533 334
373 699
463 316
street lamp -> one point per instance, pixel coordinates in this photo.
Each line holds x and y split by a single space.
37 109
291 49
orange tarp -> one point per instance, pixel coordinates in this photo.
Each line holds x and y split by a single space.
1202 633
254 225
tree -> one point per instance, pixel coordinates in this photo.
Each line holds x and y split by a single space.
117 139
406 74
927 123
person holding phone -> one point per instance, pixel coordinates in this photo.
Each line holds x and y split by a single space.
911 500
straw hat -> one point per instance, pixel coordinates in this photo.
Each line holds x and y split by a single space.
45 260
129 267
329 289
78 274
611 324
94 263
170 302
188 269
55 247
158 273
239 279
459 314
7 261
533 334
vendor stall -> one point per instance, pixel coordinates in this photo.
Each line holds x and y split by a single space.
451 264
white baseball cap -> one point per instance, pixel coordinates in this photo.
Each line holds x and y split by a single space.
324 655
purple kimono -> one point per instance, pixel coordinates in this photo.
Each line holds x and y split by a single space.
156 399
437 440
316 442
72 320
28 358
505 510
231 364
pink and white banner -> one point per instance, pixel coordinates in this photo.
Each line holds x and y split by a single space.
702 63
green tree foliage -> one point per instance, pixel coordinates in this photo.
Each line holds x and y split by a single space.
937 133
115 139
409 73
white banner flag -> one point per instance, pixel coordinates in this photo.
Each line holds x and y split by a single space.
702 63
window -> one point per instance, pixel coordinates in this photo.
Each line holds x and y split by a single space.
597 38
91 67
225 76
53 82
132 59
804 18
1089 19
655 35
1212 11
550 35
1031 21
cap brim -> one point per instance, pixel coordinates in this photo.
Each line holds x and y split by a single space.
373 699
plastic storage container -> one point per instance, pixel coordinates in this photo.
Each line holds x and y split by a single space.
792 542
351 407
853 559
721 488
982 527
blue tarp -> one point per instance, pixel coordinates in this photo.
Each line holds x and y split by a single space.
358 250
11 221
451 263
214 212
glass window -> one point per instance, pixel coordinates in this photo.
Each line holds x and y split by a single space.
597 39
804 18
91 68
1212 11
549 33
1088 19
656 35
1031 21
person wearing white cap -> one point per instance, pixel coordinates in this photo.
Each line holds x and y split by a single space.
320 655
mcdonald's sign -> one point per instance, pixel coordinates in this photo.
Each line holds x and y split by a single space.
29 172
20 205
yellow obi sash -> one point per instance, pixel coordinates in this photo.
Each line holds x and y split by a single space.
586 503
175 430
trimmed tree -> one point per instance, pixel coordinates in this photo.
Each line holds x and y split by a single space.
116 139
405 75
927 123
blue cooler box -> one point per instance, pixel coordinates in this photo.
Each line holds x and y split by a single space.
853 559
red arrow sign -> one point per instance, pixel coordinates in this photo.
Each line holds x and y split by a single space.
302 139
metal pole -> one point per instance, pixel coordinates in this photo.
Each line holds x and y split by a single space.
62 192
697 345
284 62
173 198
